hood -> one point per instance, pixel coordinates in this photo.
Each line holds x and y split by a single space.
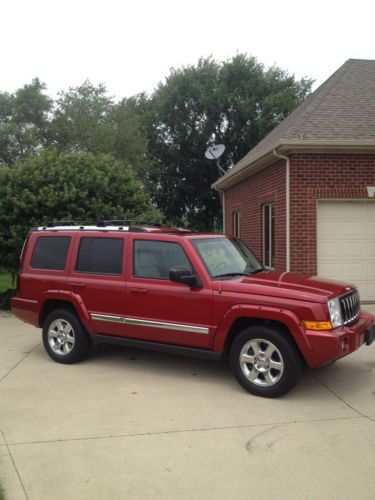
286 285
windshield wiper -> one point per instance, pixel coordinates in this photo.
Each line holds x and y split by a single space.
229 274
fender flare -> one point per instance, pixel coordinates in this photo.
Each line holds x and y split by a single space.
75 300
281 315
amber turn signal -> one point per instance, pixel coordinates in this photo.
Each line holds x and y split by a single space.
318 325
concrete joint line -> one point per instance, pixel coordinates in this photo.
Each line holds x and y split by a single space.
181 431
15 466
337 395
19 362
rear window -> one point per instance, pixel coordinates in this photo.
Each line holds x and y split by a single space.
50 252
100 255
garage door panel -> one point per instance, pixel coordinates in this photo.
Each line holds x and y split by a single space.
371 230
370 291
371 249
346 243
354 271
353 230
330 249
327 229
351 249
371 270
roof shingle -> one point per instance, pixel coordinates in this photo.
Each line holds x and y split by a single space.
342 108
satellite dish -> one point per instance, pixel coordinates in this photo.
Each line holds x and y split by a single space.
214 152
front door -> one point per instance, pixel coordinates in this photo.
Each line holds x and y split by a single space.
158 309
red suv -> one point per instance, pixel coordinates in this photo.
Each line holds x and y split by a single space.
179 291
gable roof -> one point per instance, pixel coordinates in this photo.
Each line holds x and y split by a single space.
341 112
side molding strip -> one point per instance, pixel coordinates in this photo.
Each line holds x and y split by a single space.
152 324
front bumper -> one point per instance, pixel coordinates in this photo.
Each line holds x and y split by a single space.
334 344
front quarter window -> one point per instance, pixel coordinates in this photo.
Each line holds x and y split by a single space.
226 257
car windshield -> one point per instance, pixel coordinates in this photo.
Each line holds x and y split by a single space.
226 257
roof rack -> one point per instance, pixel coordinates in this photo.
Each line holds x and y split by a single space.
102 223
127 222
69 223
131 226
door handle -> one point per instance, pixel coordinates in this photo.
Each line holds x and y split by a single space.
77 285
139 291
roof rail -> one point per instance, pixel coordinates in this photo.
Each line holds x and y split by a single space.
102 223
69 223
127 222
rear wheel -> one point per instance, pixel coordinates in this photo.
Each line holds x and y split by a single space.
264 361
64 337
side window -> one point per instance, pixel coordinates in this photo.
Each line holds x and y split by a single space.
237 224
50 252
100 255
154 259
268 235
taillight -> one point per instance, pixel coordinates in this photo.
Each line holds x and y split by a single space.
18 283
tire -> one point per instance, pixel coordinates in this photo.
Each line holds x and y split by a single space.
265 362
64 337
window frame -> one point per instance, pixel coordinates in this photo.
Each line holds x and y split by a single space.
236 223
268 209
157 241
97 273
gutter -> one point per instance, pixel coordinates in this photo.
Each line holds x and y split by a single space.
244 167
287 205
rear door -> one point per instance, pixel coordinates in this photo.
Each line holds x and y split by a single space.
158 309
97 275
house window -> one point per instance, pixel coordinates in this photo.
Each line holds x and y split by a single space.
268 235
236 224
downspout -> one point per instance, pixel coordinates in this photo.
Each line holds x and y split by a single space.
222 202
287 206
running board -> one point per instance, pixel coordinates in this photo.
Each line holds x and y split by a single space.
155 346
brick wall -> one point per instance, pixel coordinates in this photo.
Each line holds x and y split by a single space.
312 177
248 196
321 176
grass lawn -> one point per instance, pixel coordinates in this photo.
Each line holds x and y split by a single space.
5 281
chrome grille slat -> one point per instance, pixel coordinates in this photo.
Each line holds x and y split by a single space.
350 306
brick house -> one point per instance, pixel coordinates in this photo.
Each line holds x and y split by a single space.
301 198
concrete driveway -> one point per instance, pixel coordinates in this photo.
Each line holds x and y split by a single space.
133 424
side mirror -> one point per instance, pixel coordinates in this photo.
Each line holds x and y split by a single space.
180 275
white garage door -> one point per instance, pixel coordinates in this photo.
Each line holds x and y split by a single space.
346 243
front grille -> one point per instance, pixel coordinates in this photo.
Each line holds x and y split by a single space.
350 307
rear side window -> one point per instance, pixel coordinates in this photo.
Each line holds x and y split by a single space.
50 252
100 255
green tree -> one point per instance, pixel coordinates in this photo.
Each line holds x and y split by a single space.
235 102
53 186
24 118
131 116
83 120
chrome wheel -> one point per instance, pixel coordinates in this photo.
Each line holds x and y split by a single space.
261 362
61 337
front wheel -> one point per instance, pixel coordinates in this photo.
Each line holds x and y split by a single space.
64 338
265 362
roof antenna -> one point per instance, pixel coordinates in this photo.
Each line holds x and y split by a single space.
213 153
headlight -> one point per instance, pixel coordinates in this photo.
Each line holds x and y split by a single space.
335 312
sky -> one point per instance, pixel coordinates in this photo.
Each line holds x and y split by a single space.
131 46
